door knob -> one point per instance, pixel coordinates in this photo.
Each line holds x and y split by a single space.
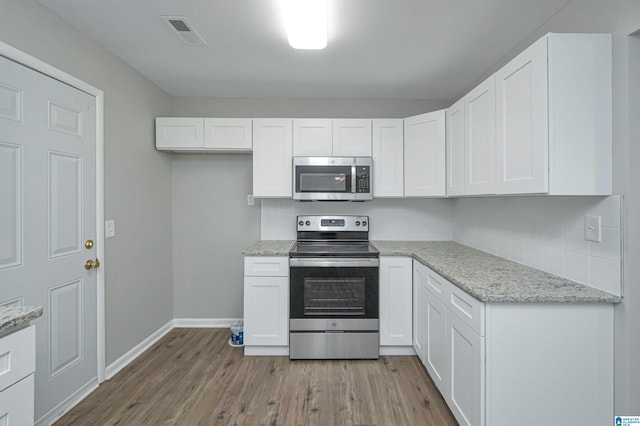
88 244
91 264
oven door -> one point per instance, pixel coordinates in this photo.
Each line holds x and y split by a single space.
333 294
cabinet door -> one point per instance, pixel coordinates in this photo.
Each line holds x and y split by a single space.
435 349
266 311
424 155
480 139
352 138
466 395
272 159
233 134
521 116
312 137
419 282
388 158
178 133
455 149
396 301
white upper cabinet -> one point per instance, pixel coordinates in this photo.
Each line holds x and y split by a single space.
179 133
554 117
352 137
228 134
542 124
324 137
522 113
424 155
388 158
203 134
456 175
480 139
312 137
272 157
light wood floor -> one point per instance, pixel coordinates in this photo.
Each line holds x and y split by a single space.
193 377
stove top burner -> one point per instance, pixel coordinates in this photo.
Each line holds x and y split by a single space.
333 236
334 249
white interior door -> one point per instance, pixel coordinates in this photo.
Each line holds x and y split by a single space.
47 213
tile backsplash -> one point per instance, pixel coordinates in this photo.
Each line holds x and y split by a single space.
546 233
390 219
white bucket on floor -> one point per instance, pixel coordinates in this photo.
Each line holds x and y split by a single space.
237 334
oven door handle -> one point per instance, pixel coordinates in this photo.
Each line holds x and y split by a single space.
319 262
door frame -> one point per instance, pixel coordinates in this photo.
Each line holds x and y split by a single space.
36 64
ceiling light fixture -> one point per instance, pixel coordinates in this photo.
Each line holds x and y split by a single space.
306 23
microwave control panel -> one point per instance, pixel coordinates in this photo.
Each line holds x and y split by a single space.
363 178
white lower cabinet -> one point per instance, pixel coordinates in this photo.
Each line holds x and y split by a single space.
17 365
266 302
453 351
465 374
419 302
435 338
528 363
396 301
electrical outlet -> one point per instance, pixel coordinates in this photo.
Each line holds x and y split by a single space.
592 231
110 228
250 201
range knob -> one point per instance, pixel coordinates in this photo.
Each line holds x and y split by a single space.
357 223
307 223
301 223
364 223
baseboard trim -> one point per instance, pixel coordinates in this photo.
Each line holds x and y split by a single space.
266 350
204 322
115 367
397 350
65 406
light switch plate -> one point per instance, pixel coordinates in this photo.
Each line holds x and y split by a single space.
110 228
592 231
250 200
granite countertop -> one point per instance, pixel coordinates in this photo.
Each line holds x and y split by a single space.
486 277
490 278
270 248
16 316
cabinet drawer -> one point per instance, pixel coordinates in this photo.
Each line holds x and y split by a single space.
439 286
266 266
16 403
17 356
467 308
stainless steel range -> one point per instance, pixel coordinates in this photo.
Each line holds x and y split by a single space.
333 290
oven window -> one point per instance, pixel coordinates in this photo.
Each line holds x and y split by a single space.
334 296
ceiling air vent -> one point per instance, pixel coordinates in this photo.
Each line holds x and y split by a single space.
184 29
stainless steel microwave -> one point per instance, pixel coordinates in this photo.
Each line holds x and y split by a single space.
332 178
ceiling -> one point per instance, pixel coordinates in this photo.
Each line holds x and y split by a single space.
411 49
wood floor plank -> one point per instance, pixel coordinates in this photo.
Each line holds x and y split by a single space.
193 377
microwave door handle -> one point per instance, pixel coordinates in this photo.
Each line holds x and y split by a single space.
353 179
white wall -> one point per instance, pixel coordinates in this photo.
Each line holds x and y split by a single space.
212 224
137 177
389 219
303 107
621 18
630 316
546 233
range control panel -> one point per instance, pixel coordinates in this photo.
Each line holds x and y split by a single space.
333 223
